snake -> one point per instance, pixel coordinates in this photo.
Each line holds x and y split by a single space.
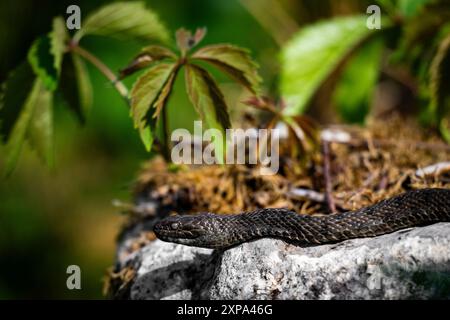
413 208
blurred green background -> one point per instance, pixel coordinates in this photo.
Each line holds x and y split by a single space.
52 218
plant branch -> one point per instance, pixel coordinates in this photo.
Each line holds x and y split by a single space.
120 87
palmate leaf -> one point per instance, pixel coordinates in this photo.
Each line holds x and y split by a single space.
313 54
144 94
209 103
76 86
234 61
124 20
35 123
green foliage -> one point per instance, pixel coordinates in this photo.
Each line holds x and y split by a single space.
54 64
206 97
46 53
354 91
124 20
40 129
409 8
58 38
404 8
313 54
144 96
418 32
75 86
55 59
234 61
152 89
43 62
209 102
440 85
34 124
14 93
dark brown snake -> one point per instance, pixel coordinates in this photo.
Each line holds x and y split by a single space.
410 209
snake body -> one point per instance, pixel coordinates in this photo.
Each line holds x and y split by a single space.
410 209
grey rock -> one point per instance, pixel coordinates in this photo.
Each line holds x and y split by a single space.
408 264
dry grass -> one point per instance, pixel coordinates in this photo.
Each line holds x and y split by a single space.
380 161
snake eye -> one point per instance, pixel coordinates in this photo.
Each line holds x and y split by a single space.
175 225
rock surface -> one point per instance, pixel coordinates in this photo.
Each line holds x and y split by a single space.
409 264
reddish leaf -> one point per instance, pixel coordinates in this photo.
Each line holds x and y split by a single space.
185 39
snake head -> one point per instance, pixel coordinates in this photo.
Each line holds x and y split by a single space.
192 230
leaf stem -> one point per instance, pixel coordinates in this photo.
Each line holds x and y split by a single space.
120 87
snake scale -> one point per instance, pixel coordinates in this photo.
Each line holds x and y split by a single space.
410 209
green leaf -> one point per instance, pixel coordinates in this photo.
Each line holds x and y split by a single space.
76 86
234 61
147 56
440 81
14 92
388 6
354 90
313 54
58 38
84 84
43 62
419 36
124 20
164 95
34 122
40 130
444 128
143 96
46 53
409 8
406 8
209 103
